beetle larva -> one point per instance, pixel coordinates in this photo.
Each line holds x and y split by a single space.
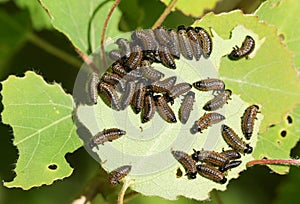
114 80
146 38
164 109
139 96
246 48
179 89
93 84
110 95
119 69
149 107
248 120
211 173
230 165
186 107
128 95
166 57
184 43
135 58
218 101
124 46
164 85
162 36
116 175
206 41
210 157
209 85
106 135
187 162
115 55
195 42
232 139
206 120
175 47
149 72
231 154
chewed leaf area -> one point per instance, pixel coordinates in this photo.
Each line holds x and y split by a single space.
40 115
151 151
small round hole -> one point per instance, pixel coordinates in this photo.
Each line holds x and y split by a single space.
52 167
264 158
289 119
281 37
283 133
272 125
179 173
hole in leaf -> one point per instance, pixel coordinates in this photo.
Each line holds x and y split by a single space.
52 167
272 125
289 119
278 142
179 173
264 158
283 133
281 37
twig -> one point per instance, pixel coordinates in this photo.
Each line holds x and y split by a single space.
126 185
104 31
87 60
130 195
164 15
285 162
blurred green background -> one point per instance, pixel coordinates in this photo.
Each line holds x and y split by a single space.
26 45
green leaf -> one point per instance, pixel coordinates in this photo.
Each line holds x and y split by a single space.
40 19
13 35
193 8
284 15
267 78
41 117
82 21
147 147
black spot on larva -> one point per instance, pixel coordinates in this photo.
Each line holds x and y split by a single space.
283 133
52 167
289 119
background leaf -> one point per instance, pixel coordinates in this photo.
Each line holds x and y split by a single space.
40 19
82 21
193 8
266 78
41 117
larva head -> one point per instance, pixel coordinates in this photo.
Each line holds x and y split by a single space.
224 180
248 149
192 175
195 155
234 55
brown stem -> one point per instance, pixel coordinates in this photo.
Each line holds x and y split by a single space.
87 60
117 2
164 15
285 162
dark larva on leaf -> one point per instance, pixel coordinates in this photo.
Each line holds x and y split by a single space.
128 95
206 120
179 89
149 107
248 118
114 80
232 139
206 41
184 43
210 157
119 69
106 135
209 85
230 165
246 48
211 173
195 42
164 85
186 107
174 48
162 36
116 175
110 95
115 55
139 96
149 72
124 46
187 162
218 101
166 57
231 154
93 84
164 109
135 58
